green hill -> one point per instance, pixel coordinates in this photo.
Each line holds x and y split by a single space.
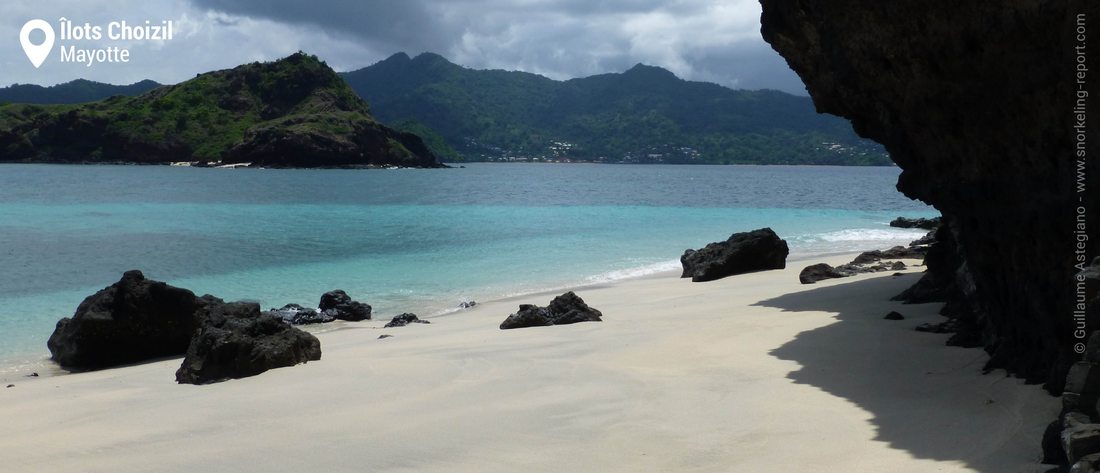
294 112
77 91
645 114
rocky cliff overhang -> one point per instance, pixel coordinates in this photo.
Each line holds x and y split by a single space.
975 101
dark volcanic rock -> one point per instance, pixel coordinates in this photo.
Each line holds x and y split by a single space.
295 314
405 319
853 268
956 92
1092 348
1082 389
757 250
818 272
942 327
922 223
894 316
966 337
1087 464
945 267
133 320
868 262
569 308
237 341
1073 439
895 253
926 240
338 305
944 281
529 315
565 309
1053 454
137 319
1080 437
331 299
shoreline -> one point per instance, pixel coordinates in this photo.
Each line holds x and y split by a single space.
14 368
679 376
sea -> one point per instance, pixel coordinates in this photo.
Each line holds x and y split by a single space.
402 240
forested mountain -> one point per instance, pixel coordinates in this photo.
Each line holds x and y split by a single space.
77 91
645 114
294 112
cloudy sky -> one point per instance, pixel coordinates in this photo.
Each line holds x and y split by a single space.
708 40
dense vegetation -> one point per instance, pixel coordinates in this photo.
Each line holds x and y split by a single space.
77 91
291 112
646 114
434 141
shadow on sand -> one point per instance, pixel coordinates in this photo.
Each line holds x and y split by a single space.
927 399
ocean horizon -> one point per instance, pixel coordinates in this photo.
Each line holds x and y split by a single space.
403 240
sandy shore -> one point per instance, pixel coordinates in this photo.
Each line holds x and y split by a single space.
754 373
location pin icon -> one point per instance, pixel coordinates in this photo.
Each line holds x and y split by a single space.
37 53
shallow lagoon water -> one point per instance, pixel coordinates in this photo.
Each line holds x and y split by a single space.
402 240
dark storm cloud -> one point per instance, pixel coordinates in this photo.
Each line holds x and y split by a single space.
697 39
709 40
401 24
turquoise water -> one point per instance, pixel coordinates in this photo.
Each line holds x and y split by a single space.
401 240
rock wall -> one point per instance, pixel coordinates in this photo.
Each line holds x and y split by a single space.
974 101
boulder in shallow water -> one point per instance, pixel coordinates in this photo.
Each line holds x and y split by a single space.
338 305
758 250
133 320
565 309
921 223
237 341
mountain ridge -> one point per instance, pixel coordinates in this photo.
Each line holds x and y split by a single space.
641 113
644 114
74 91
293 112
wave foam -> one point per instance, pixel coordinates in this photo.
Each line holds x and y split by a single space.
635 272
866 234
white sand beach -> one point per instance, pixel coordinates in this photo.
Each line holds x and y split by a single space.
753 373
